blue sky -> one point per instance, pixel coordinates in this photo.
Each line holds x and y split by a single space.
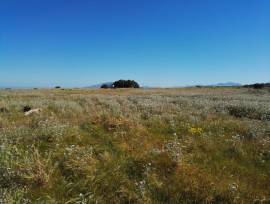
155 42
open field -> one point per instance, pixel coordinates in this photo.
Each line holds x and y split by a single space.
193 145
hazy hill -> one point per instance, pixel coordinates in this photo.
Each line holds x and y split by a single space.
99 85
227 84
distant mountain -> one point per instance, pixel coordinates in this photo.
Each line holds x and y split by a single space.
227 84
216 85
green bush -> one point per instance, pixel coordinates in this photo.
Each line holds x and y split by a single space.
126 84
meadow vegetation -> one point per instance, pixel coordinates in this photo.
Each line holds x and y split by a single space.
192 145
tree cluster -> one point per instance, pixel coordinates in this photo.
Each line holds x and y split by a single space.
122 84
257 85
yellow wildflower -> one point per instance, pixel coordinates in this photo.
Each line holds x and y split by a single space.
196 131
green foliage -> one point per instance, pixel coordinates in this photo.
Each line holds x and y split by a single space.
125 84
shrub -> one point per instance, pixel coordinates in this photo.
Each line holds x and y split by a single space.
57 87
26 108
3 110
104 86
126 84
257 85
248 112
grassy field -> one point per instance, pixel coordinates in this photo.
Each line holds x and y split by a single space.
193 145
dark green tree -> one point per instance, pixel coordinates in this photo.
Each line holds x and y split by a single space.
126 84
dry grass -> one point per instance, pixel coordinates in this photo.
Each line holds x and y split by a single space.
193 145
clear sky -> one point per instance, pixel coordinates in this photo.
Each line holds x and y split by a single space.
155 42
